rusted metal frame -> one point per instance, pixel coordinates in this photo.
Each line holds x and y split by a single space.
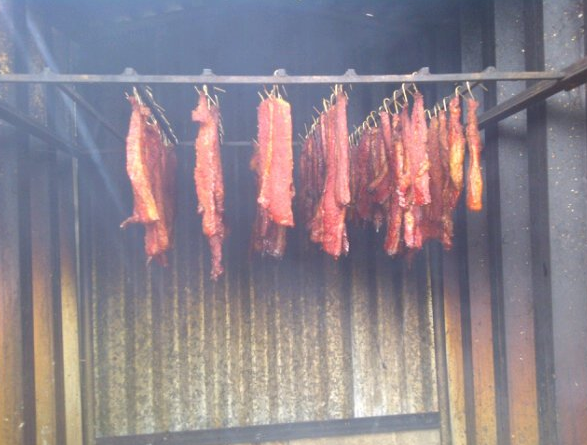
130 77
23 232
479 319
558 173
284 432
493 230
574 75
442 383
508 211
83 196
440 43
27 125
79 99
55 271
539 232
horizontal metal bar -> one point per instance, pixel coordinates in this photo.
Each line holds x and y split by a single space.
11 115
573 76
78 98
284 432
209 78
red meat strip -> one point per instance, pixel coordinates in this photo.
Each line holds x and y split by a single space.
328 225
475 177
341 136
145 209
447 188
209 180
276 160
394 148
419 163
456 141
432 222
151 166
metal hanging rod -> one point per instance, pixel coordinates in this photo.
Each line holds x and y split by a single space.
130 77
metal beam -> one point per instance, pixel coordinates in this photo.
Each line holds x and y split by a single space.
284 432
78 98
129 77
11 115
574 75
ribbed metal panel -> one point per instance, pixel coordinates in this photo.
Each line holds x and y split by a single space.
305 338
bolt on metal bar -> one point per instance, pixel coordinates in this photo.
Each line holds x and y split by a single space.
280 77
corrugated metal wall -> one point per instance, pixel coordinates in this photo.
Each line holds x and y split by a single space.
305 338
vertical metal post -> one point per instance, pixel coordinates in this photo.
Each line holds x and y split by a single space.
478 318
12 416
557 163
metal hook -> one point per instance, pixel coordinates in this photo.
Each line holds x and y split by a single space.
385 107
469 89
395 103
404 91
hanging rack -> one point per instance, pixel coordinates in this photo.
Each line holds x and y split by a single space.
551 82
280 77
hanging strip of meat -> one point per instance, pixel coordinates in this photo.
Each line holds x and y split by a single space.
412 137
341 134
168 170
317 224
328 225
456 141
419 163
209 179
157 178
305 199
447 187
276 160
156 235
377 172
334 214
144 206
475 177
436 170
273 164
268 236
404 170
364 200
394 148
432 214
380 186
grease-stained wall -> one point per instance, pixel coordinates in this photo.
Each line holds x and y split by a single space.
304 338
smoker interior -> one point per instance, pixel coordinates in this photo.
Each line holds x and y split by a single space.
484 344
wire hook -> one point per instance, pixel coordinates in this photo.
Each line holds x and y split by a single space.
404 91
469 89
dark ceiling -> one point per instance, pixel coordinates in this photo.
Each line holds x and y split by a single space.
85 19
